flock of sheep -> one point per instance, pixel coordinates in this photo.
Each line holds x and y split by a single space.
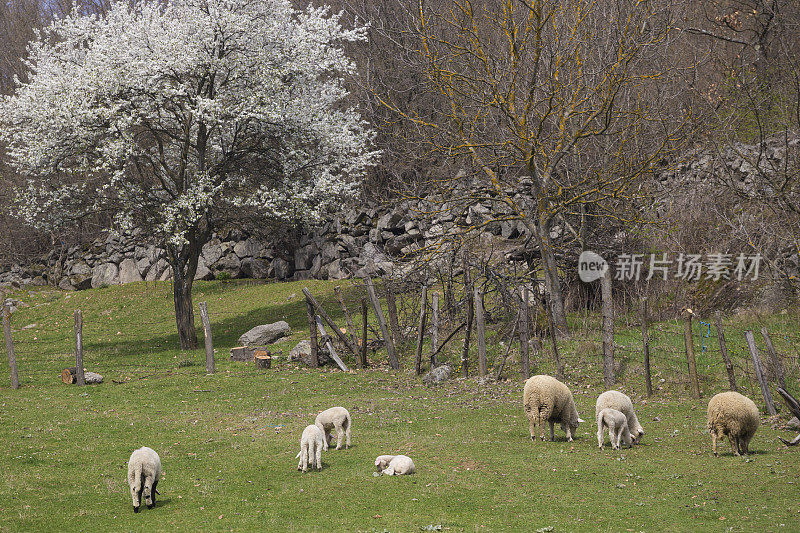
546 401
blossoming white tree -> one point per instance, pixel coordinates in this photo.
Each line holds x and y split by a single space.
169 114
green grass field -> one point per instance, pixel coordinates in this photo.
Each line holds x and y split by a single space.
228 441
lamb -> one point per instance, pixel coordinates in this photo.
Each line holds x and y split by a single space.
394 465
335 417
617 425
144 470
311 443
614 399
547 399
734 415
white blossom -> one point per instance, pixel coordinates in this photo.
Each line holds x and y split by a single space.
169 114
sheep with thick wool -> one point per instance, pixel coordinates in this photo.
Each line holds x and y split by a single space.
144 471
546 399
394 465
733 415
335 418
617 424
311 444
614 399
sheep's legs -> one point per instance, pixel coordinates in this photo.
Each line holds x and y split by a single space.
154 492
600 435
318 458
734 445
714 442
347 435
148 492
532 427
552 432
325 437
136 493
339 437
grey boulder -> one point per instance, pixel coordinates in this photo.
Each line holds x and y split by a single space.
265 334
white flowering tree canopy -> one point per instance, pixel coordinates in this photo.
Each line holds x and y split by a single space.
164 113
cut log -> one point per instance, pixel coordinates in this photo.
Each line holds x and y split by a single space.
262 359
247 353
70 376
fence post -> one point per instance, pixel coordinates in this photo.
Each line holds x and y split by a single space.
759 372
524 336
351 332
776 360
423 315
689 342
470 317
312 334
723 348
12 359
608 330
79 377
480 336
391 307
376 306
646 347
326 317
363 362
434 328
208 340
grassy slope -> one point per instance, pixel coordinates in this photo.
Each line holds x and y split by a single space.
228 441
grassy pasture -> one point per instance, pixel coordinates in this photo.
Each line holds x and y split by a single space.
228 441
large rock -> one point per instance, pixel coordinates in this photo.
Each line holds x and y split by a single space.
203 272
281 269
231 264
255 268
438 375
304 257
302 353
129 272
265 334
157 270
105 274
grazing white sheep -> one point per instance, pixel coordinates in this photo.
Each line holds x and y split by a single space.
335 417
614 399
734 415
144 470
394 465
546 399
311 443
617 425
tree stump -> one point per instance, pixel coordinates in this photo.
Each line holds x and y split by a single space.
262 359
69 375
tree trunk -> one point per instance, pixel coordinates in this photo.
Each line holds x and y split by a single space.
552 283
184 266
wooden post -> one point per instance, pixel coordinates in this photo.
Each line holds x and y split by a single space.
328 320
376 306
209 341
553 338
646 347
79 377
776 360
524 336
470 318
689 342
391 307
508 351
434 328
724 351
327 340
12 359
757 368
480 337
423 313
608 330
363 361
312 332
351 331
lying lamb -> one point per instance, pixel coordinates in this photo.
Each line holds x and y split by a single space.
394 465
311 444
144 469
617 426
734 415
546 399
335 417
613 399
